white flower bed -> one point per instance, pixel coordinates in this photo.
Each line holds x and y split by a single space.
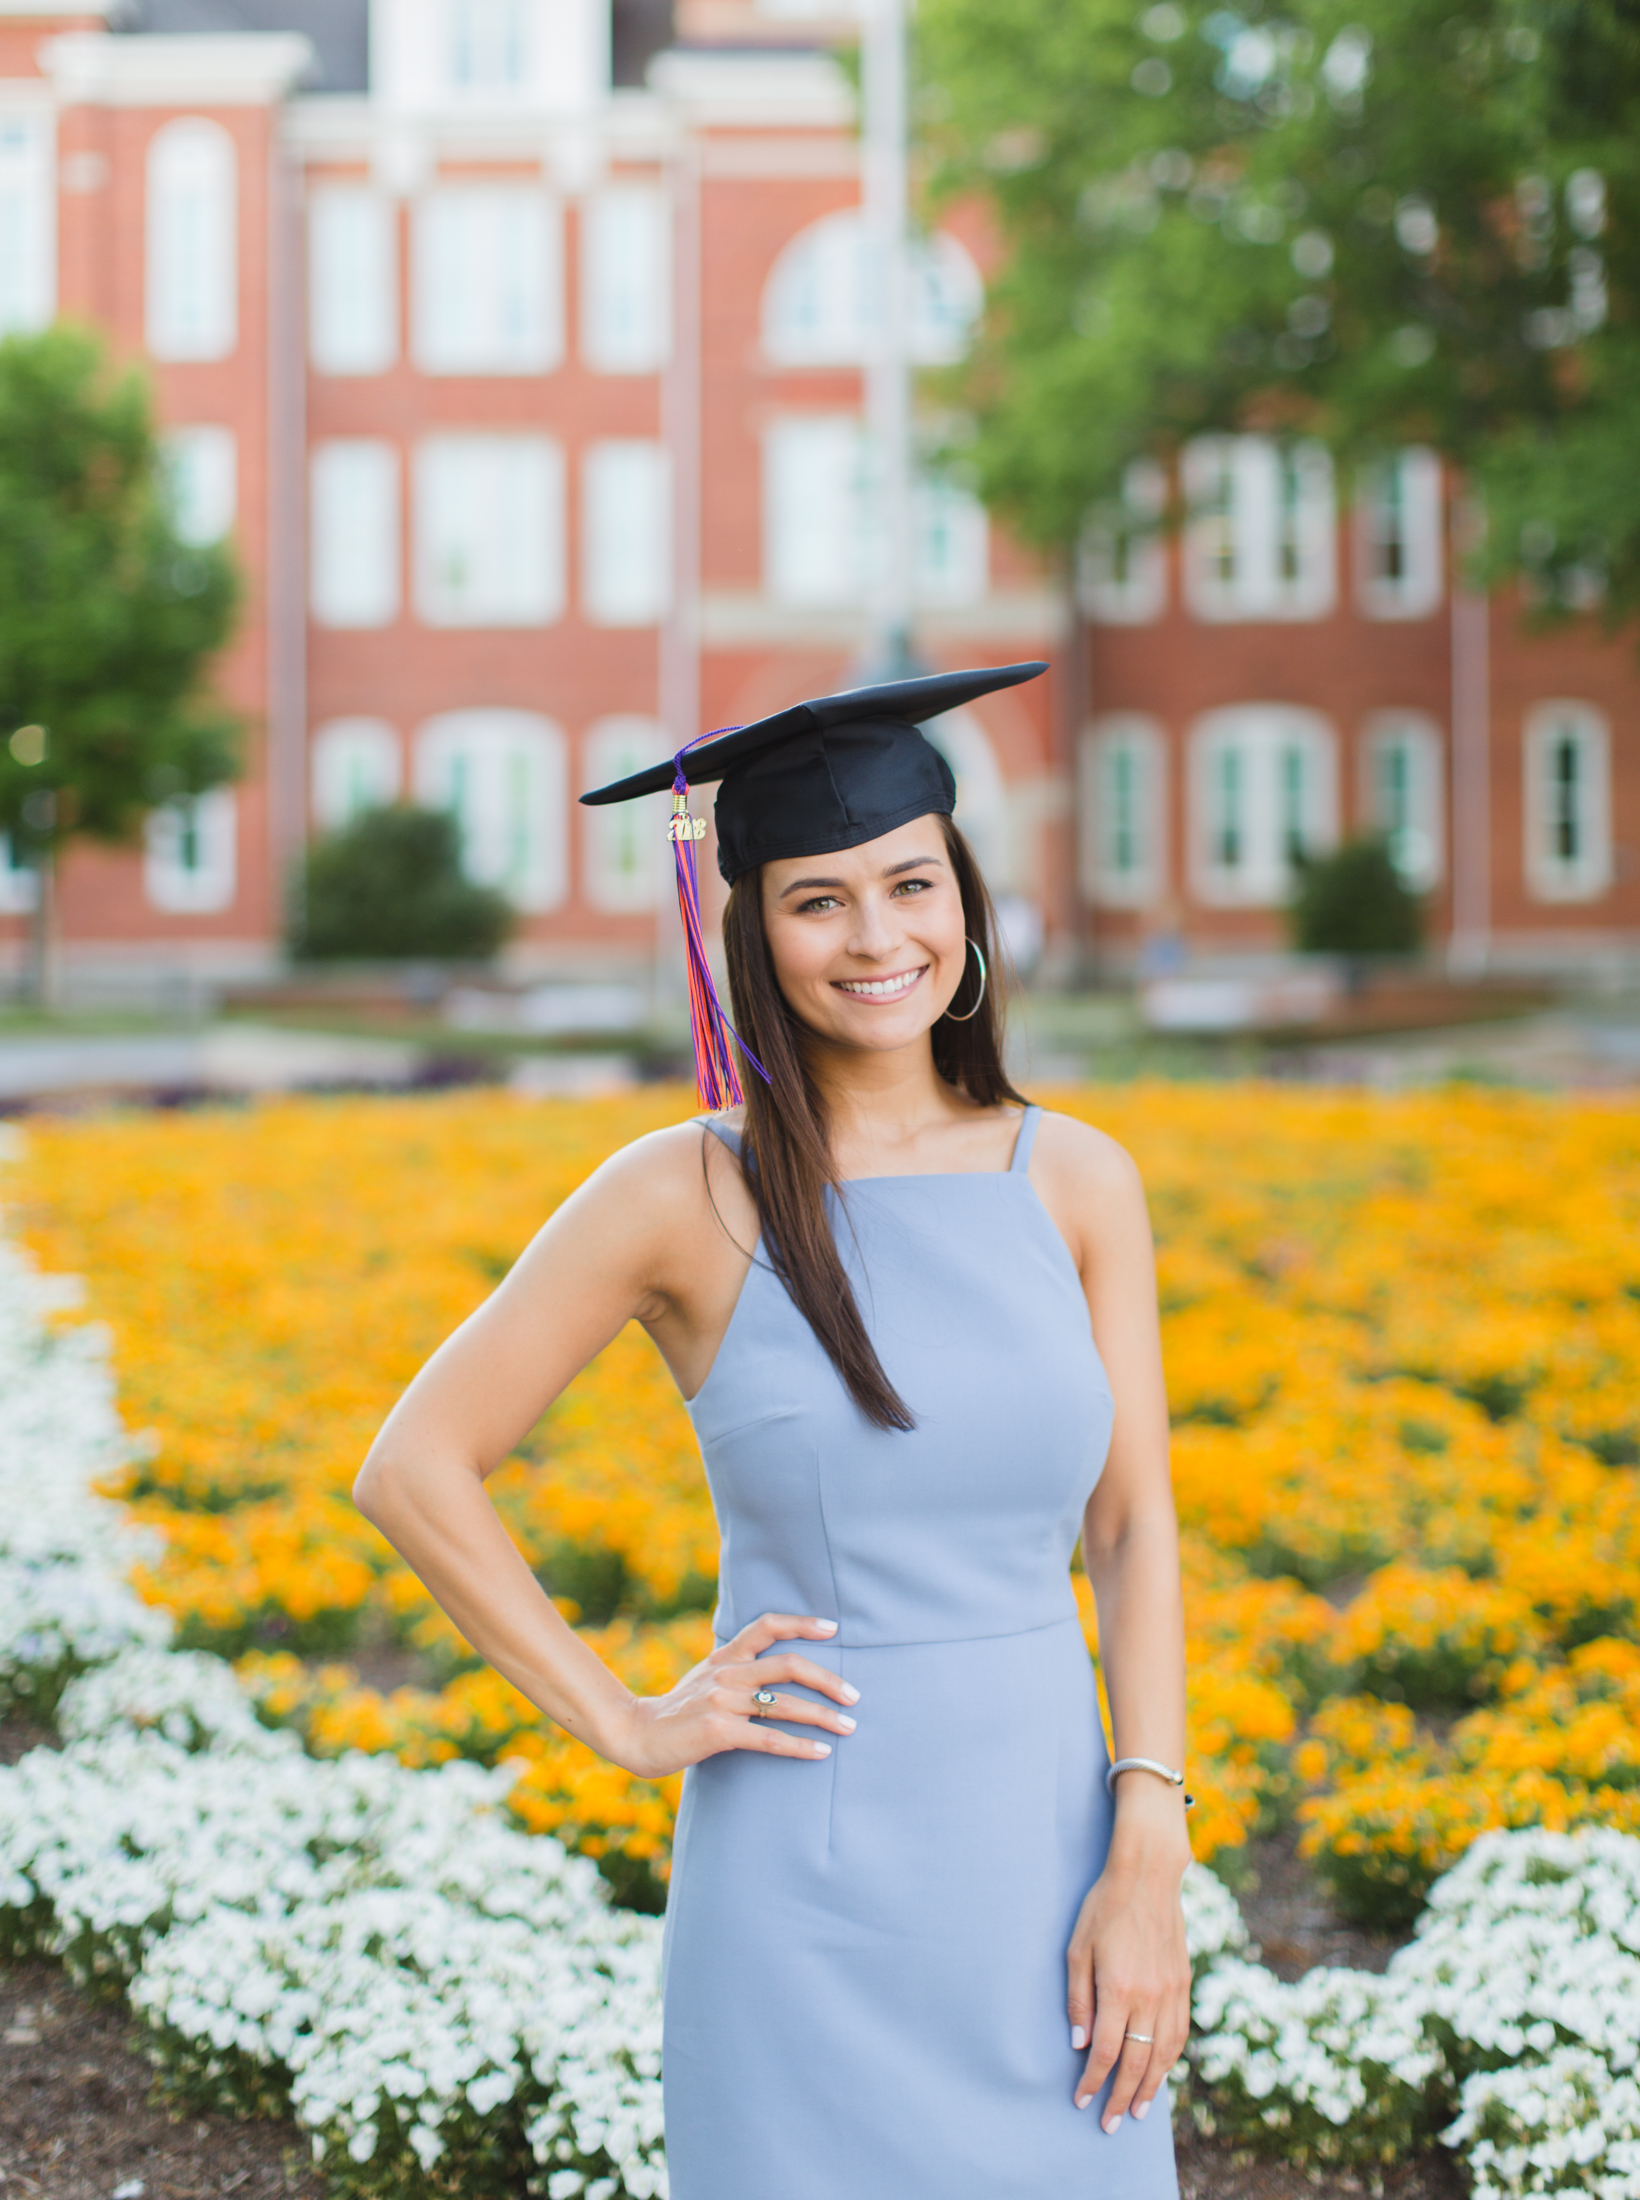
419 1983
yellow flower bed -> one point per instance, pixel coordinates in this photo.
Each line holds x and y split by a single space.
1403 1346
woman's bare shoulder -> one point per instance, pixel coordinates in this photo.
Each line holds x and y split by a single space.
1091 1172
671 1176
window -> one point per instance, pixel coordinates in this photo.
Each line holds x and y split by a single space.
1398 537
19 881
818 308
984 810
626 282
488 280
189 860
1402 794
626 541
355 560
813 509
627 854
1264 791
487 43
1261 541
192 244
1122 560
503 775
1568 802
356 766
1122 782
201 467
489 530
818 544
353 289
28 222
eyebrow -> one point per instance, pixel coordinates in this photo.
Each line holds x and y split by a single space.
808 885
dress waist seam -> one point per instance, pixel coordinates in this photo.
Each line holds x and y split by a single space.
842 1641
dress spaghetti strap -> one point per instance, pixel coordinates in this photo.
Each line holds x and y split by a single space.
724 1133
1025 1140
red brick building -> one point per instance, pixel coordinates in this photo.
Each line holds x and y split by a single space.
518 344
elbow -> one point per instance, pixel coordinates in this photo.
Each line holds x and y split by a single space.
373 1489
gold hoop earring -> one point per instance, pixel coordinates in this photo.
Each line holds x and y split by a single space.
984 979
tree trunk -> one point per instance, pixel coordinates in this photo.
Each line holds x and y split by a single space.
44 982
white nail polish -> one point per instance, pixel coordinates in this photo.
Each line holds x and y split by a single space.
1084 2100
1079 2038
850 1695
1110 2123
846 1723
821 1749
826 1626
1141 2109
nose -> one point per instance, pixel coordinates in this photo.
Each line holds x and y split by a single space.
875 935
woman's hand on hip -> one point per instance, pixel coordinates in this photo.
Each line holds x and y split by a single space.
1128 1995
714 1706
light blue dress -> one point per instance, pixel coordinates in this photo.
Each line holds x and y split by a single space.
865 1960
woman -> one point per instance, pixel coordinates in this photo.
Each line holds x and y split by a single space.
914 1924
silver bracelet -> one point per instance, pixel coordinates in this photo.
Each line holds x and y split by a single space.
1147 1764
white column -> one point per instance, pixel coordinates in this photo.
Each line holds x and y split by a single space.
1469 949
888 371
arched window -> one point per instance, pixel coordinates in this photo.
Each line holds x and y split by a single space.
504 775
1262 537
625 846
28 221
356 766
818 304
982 796
190 861
192 242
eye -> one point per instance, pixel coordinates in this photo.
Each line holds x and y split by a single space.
819 902
913 886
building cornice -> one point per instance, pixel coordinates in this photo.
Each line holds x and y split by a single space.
759 91
239 69
745 619
328 127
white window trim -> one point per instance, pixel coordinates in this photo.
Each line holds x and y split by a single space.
1422 865
333 609
434 603
541 881
617 591
1548 877
1260 731
613 748
1235 486
378 353
344 754
203 465
212 886
1420 589
1139 596
1103 886
218 337
36 172
647 349
834 249
435 350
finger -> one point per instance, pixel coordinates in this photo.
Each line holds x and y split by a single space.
779 1627
1105 2052
805 1713
1131 2066
792 1666
1079 1993
1171 2034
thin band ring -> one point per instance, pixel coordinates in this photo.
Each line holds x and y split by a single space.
984 979
1146 2039
763 1702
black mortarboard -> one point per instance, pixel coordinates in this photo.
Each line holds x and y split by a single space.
829 774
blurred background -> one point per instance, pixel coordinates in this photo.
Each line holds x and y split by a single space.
534 384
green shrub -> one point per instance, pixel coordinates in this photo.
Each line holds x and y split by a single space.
391 884
1355 902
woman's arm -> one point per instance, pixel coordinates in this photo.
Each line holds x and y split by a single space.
1128 1968
634 1242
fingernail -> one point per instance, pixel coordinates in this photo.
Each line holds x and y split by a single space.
845 1722
1079 2038
826 1626
1084 2100
1110 2123
1141 2109
850 1695
821 1749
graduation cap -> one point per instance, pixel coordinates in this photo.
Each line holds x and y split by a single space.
819 777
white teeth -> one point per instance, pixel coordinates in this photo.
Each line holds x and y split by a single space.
877 987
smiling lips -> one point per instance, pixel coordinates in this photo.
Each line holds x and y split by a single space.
880 989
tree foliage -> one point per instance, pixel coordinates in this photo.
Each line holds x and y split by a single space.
391 885
1377 221
108 618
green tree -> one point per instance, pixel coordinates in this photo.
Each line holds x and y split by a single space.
1353 901
390 884
108 618
1377 221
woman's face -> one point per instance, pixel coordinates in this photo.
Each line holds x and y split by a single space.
868 944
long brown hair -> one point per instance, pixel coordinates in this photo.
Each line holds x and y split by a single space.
786 1150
